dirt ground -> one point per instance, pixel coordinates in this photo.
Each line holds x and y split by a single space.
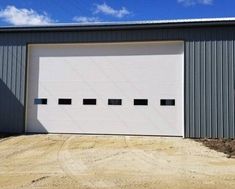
226 146
74 161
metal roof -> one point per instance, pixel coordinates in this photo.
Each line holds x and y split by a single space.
124 25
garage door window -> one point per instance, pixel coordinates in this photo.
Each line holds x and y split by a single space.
140 102
40 101
65 101
115 102
167 102
89 101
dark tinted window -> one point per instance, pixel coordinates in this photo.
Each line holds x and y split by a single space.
140 102
65 101
42 101
167 102
115 102
89 101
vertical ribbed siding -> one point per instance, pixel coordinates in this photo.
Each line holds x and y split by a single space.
203 90
231 88
209 73
12 78
210 89
187 89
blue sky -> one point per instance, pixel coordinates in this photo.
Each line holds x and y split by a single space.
40 12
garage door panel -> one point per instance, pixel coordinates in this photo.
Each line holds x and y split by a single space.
104 72
121 49
126 71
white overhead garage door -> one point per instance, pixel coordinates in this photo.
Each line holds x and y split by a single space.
106 88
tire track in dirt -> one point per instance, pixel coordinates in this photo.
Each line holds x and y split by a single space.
113 155
69 167
140 155
78 168
61 160
151 160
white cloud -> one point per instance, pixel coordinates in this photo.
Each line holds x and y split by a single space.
84 19
106 9
15 16
194 2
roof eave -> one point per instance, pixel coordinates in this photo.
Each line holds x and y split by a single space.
119 26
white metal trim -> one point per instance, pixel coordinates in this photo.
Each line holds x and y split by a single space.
27 87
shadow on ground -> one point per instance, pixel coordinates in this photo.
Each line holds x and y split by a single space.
5 136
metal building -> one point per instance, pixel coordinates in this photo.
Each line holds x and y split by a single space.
173 78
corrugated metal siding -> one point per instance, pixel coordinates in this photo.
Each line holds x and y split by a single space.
210 86
12 78
209 73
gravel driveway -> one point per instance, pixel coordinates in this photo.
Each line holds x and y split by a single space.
75 161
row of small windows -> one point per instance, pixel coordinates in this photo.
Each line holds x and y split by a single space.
118 102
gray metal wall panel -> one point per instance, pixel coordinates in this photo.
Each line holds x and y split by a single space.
208 89
219 70
209 73
203 90
11 109
187 87
214 118
225 89
230 88
191 94
197 91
